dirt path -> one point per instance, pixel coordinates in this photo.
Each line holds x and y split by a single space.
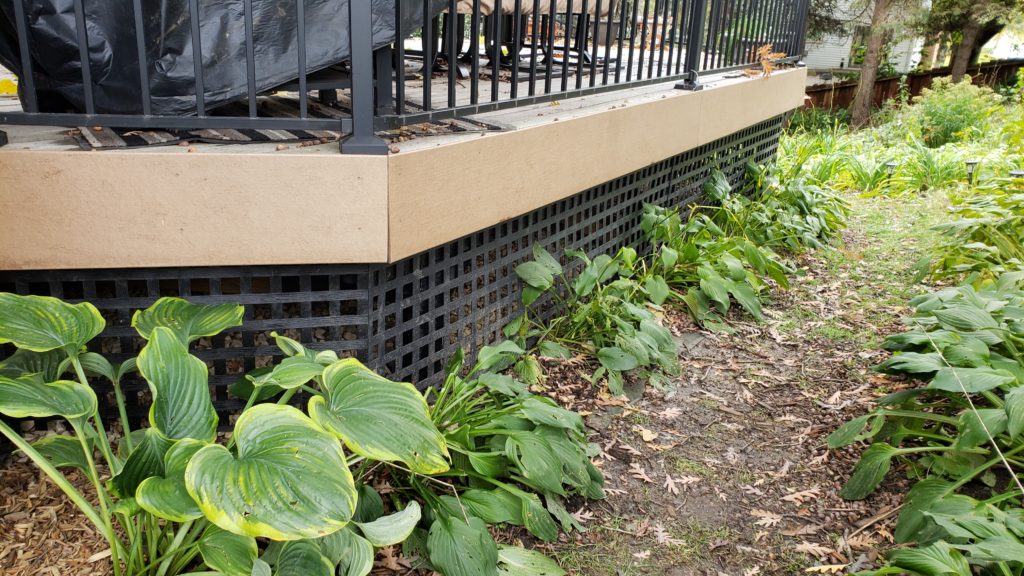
728 472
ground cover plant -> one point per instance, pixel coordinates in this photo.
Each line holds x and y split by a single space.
958 435
721 253
289 491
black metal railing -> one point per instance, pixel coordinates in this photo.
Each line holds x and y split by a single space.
430 60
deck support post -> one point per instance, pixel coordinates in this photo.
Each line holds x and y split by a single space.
3 139
363 140
694 40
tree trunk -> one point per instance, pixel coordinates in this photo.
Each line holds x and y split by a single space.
930 55
860 110
962 56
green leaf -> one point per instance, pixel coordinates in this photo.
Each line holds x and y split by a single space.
913 362
502 384
46 365
977 425
227 553
965 318
1014 405
26 398
490 356
970 379
96 365
615 358
167 497
379 419
187 321
545 411
493 506
747 298
616 385
352 553
938 559
535 274
487 463
549 349
62 451
43 323
288 481
460 548
516 561
370 505
536 460
874 464
657 289
669 257
1003 548
291 373
715 287
303 557
529 369
181 395
847 433
919 499
391 529
145 461
545 259
260 568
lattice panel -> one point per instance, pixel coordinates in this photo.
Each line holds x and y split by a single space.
464 292
324 307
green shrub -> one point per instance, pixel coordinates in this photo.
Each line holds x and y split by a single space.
953 112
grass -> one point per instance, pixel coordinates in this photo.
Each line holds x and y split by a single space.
688 467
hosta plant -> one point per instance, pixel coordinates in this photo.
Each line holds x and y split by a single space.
172 498
961 434
609 310
985 238
514 456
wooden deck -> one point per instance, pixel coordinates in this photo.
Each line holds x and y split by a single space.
239 204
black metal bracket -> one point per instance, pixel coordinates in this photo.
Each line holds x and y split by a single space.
691 82
3 139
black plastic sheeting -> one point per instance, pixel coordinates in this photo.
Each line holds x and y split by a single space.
113 54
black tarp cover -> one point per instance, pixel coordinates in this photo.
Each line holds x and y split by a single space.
168 39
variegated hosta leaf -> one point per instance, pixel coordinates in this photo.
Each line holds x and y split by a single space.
26 398
43 323
62 451
391 529
181 396
227 553
44 366
289 480
352 553
378 418
290 373
166 497
146 460
186 320
303 557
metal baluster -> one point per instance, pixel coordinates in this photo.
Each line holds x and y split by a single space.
362 140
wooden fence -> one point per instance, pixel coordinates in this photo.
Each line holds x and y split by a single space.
832 96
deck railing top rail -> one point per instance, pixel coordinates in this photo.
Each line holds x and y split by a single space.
369 69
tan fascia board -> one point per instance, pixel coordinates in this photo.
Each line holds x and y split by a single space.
437 195
61 209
